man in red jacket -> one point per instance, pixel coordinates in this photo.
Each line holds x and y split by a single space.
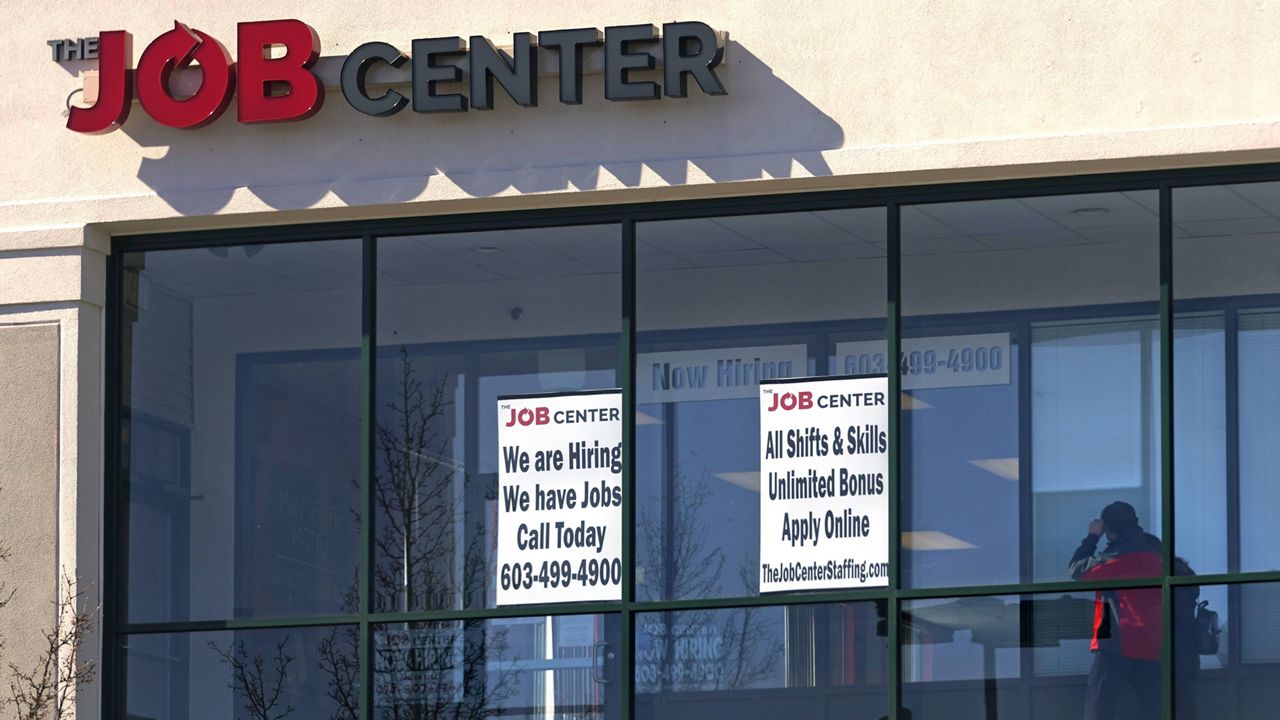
1126 623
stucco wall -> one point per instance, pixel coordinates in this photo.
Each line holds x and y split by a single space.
829 94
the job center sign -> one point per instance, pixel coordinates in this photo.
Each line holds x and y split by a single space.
824 473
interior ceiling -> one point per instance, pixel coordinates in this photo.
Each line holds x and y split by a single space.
822 236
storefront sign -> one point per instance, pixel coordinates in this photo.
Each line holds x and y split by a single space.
560 498
824 473
418 666
273 87
933 362
68 49
716 374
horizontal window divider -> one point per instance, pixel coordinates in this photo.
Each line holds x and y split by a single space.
1226 578
957 191
1061 586
772 600
189 626
721 603
511 611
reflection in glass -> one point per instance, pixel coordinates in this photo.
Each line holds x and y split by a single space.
1231 672
548 668
1227 301
1259 421
247 674
462 319
1039 656
242 431
1035 398
803 661
723 303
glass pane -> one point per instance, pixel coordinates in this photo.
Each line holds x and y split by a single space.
724 303
1232 672
241 431
1036 656
1226 247
548 668
1031 381
247 674
802 661
462 320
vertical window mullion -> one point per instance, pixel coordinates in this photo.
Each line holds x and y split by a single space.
113 589
626 380
893 331
1166 448
368 430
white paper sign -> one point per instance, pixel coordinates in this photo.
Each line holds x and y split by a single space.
933 362
716 374
560 498
824 474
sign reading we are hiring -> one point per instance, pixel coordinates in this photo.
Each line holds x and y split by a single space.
271 86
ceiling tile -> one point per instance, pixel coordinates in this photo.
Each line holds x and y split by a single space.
786 229
843 251
699 235
1018 241
733 258
1137 233
1212 202
582 241
940 246
989 217
869 224
1121 210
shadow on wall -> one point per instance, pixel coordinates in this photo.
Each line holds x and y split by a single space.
761 129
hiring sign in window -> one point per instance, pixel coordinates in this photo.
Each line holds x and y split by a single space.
560 498
824 473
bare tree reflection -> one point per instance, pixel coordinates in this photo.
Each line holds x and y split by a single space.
697 649
259 681
430 555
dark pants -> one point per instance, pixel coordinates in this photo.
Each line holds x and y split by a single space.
1110 674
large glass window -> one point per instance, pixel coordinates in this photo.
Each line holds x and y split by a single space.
241 431
463 319
1042 656
811 661
722 304
311 672
1031 336
307 504
1226 249
1230 672
564 666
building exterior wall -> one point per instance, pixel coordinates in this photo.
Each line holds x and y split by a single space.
821 95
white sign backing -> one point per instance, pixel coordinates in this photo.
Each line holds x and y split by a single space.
560 498
824 474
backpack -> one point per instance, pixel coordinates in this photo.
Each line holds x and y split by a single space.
1207 629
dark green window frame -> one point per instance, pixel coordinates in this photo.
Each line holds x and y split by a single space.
628 215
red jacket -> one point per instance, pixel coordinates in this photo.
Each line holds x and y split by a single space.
1126 622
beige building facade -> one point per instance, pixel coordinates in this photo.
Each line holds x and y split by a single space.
822 97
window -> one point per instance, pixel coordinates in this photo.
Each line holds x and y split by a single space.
1225 245
723 304
1035 402
304 496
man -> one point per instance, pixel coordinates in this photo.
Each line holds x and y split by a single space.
1126 623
